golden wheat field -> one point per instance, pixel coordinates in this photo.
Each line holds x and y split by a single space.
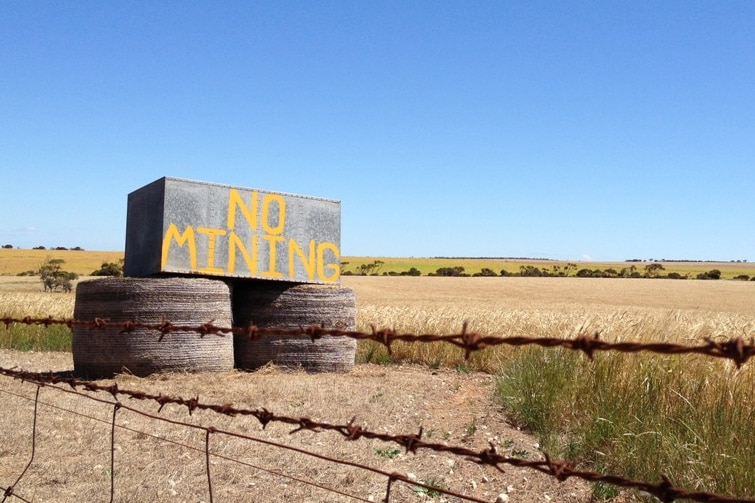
619 309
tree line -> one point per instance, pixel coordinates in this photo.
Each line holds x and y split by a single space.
653 270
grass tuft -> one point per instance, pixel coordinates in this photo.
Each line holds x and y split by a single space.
639 415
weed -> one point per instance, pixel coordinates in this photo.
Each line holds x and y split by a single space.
602 491
464 368
520 454
388 453
375 397
432 489
471 428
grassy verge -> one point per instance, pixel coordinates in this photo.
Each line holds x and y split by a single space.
36 305
33 338
639 416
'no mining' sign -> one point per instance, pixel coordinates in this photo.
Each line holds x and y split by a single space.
186 227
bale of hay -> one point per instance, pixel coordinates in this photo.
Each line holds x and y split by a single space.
103 352
283 305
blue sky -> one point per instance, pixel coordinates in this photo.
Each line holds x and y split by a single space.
568 130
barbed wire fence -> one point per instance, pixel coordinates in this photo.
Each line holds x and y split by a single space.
736 349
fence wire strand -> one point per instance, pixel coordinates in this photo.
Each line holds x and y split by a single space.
736 349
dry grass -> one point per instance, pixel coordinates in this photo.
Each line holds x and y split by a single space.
157 461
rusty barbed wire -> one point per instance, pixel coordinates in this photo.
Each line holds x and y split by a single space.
735 349
210 429
559 469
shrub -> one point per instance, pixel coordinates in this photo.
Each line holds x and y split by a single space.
610 273
486 272
530 270
110 269
412 272
451 271
743 277
8 246
712 274
587 273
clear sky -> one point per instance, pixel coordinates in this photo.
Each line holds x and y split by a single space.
572 130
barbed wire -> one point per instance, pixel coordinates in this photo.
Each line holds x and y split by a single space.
736 349
559 469
117 405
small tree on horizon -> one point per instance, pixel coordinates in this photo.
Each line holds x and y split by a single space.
53 276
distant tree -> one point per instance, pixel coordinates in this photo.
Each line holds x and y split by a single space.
743 277
371 269
653 270
54 277
39 248
8 246
626 272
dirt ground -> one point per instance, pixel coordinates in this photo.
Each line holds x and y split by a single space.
160 461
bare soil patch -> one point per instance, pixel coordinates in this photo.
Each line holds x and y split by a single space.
159 461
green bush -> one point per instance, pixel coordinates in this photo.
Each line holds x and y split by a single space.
530 270
412 272
486 272
110 269
712 274
451 271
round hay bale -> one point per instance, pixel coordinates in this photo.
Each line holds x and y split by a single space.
182 301
281 305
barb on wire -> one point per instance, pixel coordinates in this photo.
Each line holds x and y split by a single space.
559 469
736 349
